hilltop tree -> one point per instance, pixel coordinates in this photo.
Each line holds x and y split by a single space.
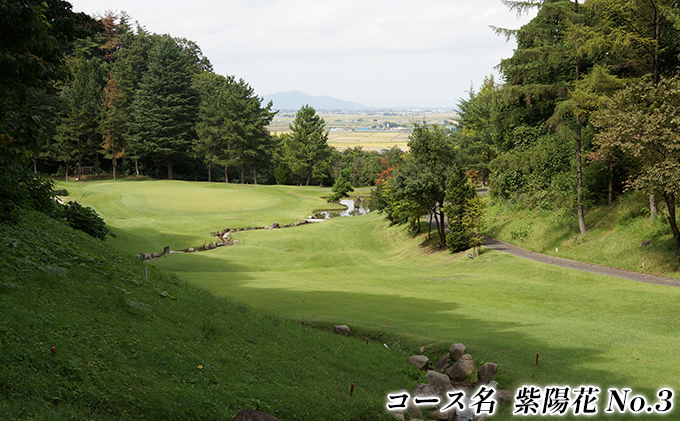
307 145
166 106
644 121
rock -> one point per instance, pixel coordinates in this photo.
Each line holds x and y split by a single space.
155 255
646 243
486 372
225 236
503 397
208 246
399 415
481 417
466 414
420 362
286 226
214 244
275 225
439 380
254 415
456 351
191 249
493 384
239 229
425 390
442 362
235 241
253 228
297 224
449 415
166 250
342 330
462 368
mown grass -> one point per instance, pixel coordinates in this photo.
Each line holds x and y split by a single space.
149 215
125 348
614 237
587 328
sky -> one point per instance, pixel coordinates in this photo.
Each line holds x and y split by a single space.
425 53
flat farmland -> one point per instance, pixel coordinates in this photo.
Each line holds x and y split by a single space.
371 131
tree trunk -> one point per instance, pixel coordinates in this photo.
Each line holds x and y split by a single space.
137 167
35 164
171 175
226 176
653 209
255 173
209 172
670 204
442 229
611 185
113 162
243 173
66 171
579 179
309 175
429 225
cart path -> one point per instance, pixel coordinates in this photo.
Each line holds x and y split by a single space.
494 244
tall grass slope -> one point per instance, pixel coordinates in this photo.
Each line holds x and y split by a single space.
83 335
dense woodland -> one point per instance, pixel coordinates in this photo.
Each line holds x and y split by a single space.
586 108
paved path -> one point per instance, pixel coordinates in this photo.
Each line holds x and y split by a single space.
494 244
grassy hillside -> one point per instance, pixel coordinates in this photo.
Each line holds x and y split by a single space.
125 348
614 237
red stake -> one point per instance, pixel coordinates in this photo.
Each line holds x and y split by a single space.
366 341
303 323
54 351
388 323
537 358
351 389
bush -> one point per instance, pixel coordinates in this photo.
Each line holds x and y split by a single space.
458 238
85 219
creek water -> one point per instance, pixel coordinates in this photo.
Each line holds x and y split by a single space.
353 209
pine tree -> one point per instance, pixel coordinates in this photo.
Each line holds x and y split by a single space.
166 106
307 145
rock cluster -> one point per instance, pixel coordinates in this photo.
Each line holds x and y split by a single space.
454 370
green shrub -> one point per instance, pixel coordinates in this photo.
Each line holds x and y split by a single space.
85 219
458 238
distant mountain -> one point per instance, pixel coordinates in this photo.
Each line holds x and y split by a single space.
294 100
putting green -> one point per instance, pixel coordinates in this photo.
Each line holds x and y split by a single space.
149 215
588 329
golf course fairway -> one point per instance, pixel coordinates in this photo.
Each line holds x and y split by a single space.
380 280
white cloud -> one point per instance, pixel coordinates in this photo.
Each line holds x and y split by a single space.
371 51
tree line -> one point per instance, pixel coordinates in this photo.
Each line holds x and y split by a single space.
138 103
586 108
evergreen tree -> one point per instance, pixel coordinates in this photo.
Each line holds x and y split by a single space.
166 106
307 146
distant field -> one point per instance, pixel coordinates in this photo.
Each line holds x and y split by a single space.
369 140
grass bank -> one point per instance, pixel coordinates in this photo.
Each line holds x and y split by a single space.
83 335
615 234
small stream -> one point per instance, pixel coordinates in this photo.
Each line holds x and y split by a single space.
353 209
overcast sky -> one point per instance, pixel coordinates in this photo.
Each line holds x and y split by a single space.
375 52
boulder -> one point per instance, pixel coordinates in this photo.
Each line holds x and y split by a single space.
456 351
426 390
466 414
449 415
275 225
462 368
225 236
343 330
503 397
439 380
166 250
155 255
254 415
191 249
215 244
297 224
442 363
493 384
486 372
420 362
208 246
